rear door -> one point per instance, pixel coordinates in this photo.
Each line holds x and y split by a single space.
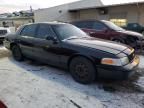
26 39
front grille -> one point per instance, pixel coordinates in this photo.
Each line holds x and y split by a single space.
131 56
3 32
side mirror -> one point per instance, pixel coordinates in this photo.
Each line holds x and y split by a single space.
52 38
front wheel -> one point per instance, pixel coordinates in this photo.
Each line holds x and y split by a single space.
16 52
82 70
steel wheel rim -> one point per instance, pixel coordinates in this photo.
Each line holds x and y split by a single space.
81 70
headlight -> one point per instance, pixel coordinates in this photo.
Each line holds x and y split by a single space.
124 60
115 62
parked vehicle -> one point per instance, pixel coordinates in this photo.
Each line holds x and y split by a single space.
2 105
67 46
109 31
3 32
135 27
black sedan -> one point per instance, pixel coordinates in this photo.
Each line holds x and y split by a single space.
67 46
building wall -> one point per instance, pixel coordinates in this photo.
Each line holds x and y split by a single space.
132 13
88 14
59 13
85 4
20 22
15 22
141 11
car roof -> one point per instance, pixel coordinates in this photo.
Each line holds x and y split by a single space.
49 23
87 20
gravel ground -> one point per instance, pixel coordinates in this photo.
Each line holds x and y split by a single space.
32 85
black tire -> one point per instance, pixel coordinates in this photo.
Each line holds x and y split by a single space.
17 55
82 70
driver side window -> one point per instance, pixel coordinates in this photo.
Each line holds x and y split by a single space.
99 26
135 25
44 31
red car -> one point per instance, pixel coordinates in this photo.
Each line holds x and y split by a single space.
107 30
2 105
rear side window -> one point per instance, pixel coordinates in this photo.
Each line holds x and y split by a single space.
84 24
133 25
79 24
44 31
29 30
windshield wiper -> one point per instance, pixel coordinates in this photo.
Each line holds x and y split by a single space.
75 37
72 37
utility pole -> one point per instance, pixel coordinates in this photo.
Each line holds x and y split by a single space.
31 10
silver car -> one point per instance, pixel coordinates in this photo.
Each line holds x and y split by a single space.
3 32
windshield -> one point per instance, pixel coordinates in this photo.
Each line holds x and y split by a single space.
113 26
67 31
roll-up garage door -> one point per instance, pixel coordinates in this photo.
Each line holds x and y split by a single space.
118 15
119 19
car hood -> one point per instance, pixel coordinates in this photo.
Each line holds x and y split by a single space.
94 43
131 33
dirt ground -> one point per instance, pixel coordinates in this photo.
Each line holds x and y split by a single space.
33 85
4 52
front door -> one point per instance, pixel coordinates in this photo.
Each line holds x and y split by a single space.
99 30
46 50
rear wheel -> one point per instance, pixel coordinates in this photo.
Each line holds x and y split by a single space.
17 53
82 70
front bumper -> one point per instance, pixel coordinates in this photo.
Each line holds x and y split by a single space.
118 73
